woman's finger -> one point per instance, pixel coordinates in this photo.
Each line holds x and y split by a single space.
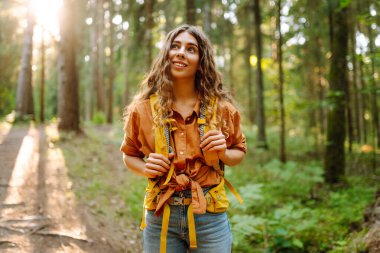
159 162
213 144
159 156
218 148
210 133
156 167
212 138
153 173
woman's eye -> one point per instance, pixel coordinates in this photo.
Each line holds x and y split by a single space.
191 49
175 46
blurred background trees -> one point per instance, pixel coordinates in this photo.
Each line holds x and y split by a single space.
305 68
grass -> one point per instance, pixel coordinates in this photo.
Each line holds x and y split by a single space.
288 207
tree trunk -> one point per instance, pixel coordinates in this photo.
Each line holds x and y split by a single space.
149 7
24 97
364 98
334 154
91 93
68 99
357 129
126 69
281 86
169 16
190 12
100 41
111 71
262 140
231 75
247 60
42 81
208 7
375 110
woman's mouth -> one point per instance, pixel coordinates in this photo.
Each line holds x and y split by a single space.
179 64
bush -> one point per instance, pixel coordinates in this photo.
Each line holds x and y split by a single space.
99 118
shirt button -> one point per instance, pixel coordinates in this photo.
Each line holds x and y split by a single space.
181 152
182 133
188 119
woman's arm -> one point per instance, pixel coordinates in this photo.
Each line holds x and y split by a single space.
155 165
231 157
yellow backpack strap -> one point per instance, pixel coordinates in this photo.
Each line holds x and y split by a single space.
234 191
164 228
162 137
211 158
143 222
191 227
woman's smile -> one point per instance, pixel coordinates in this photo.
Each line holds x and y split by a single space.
184 56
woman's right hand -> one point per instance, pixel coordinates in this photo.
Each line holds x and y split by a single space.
157 165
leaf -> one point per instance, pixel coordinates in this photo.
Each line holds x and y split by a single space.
344 3
296 242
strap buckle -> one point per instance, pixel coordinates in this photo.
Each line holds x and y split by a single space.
179 201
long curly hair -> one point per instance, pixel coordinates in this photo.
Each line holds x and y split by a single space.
208 81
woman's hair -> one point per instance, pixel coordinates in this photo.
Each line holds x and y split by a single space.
208 81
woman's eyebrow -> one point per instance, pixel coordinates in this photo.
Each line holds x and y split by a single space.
189 43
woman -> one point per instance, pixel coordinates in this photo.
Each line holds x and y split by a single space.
184 83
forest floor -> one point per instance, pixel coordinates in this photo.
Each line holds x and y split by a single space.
39 211
61 192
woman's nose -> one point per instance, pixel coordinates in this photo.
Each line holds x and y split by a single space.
181 52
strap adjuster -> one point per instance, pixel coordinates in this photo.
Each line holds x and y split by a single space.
178 201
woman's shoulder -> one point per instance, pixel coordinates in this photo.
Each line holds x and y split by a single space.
140 106
228 107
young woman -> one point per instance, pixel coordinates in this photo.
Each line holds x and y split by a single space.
184 82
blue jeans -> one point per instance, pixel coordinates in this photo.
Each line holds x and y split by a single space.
213 232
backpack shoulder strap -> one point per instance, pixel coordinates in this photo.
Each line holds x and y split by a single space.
160 143
211 157
162 136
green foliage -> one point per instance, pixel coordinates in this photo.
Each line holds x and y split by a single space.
10 57
99 118
289 208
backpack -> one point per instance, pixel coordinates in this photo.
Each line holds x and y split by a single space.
216 197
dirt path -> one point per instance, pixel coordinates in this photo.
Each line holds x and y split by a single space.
38 210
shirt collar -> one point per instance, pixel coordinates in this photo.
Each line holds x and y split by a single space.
196 108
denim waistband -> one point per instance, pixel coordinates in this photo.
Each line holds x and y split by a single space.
187 193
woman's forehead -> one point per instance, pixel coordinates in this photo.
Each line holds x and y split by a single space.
186 37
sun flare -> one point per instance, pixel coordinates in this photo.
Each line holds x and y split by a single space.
46 13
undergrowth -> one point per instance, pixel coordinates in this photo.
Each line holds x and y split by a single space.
287 207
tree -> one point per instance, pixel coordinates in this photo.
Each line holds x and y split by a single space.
190 12
42 81
262 139
100 95
281 85
334 164
24 98
111 71
148 9
68 101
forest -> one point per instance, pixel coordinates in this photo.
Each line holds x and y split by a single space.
305 77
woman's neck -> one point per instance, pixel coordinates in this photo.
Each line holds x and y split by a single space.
184 90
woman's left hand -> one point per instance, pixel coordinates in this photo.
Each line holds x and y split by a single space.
214 140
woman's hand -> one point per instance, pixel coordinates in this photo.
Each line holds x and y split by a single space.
214 140
157 165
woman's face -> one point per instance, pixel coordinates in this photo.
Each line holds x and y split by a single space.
184 56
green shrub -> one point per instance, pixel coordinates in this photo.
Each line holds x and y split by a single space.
99 118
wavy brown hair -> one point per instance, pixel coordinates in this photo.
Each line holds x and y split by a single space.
208 81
